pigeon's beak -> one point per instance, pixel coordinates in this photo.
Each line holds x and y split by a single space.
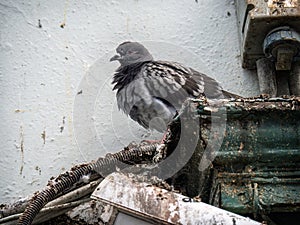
114 58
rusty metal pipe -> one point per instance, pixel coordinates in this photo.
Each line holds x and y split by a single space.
266 77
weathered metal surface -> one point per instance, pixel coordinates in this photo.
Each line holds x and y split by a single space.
256 18
256 170
262 132
157 205
257 192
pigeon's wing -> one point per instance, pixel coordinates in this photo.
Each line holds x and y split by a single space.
159 88
175 82
205 85
196 83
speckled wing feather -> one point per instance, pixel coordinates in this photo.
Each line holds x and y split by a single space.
195 83
156 89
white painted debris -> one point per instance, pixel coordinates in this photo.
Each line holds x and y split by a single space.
152 203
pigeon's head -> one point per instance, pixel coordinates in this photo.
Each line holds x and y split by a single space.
131 52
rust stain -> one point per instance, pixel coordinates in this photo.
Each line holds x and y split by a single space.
19 111
22 149
175 218
63 24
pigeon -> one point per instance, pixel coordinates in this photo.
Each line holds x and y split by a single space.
152 92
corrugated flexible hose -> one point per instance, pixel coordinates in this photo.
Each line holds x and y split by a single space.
68 179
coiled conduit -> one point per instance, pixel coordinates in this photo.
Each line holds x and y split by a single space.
68 179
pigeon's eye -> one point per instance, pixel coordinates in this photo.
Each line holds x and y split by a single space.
129 52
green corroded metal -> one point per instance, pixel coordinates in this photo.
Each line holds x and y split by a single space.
257 168
262 137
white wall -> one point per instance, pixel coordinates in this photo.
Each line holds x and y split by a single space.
43 68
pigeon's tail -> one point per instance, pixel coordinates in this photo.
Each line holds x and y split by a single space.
227 94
